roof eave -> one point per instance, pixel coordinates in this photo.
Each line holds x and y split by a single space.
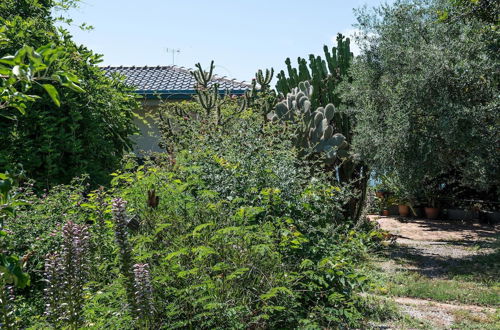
179 94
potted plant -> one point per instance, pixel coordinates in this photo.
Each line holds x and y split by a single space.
382 204
403 199
382 189
400 195
404 209
432 210
432 191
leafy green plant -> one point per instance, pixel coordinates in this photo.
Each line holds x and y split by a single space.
11 272
240 235
86 131
27 67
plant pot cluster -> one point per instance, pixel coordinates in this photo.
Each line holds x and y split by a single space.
389 205
393 199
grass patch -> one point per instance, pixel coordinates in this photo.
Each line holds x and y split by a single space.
483 268
381 311
473 280
409 284
465 319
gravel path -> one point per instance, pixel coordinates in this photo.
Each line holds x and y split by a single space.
432 248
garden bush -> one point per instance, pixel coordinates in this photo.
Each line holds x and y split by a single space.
240 236
83 132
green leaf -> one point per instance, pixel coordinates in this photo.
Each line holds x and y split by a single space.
52 91
201 227
74 87
4 70
275 291
238 273
10 269
21 53
9 59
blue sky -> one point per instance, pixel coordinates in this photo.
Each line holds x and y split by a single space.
241 36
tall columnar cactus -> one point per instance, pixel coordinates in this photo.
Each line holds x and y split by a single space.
203 77
264 80
315 133
210 97
263 98
323 74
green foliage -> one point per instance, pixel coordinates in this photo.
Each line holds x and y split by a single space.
214 235
487 11
427 91
25 68
11 268
241 236
86 131
11 271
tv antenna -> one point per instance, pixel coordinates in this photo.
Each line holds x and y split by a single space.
173 51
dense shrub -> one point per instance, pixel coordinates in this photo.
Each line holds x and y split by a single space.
88 132
241 237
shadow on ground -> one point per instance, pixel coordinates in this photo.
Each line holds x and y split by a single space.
473 252
481 231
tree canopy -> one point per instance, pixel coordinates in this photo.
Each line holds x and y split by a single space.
426 92
65 133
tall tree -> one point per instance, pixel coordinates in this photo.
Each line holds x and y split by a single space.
426 88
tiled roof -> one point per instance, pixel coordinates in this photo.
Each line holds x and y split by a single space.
168 80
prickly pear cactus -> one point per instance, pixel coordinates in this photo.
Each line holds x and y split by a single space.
314 133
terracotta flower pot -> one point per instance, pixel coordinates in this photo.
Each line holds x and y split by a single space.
385 213
404 210
431 212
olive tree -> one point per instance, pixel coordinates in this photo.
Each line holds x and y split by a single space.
426 93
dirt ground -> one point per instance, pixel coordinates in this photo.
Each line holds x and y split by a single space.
431 248
436 230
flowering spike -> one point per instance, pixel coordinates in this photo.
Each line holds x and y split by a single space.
143 291
119 209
